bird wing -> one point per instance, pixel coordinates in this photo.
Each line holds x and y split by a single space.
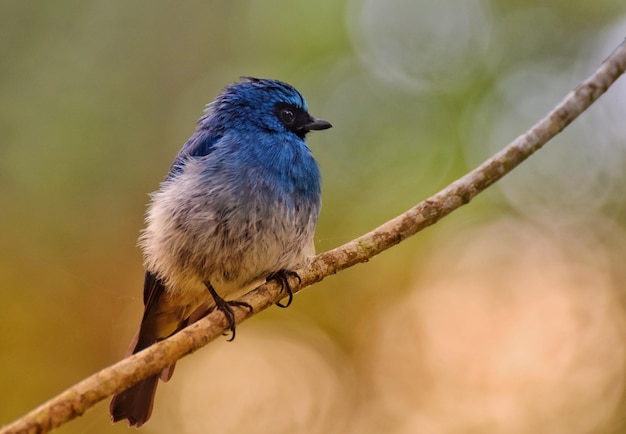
161 318
201 143
153 289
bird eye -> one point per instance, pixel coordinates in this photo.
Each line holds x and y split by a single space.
287 116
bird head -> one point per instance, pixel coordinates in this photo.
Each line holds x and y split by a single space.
269 105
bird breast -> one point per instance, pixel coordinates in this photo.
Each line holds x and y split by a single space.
227 226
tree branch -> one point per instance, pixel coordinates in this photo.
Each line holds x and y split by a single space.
80 397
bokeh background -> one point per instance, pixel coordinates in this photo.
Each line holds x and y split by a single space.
509 316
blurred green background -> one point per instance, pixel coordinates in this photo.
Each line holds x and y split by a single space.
509 316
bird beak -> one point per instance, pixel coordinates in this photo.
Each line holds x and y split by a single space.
317 124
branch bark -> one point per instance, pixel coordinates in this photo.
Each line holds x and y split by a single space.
77 399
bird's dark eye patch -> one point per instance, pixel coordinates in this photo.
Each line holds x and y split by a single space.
287 116
294 118
291 116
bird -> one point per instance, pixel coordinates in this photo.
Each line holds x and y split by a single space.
238 207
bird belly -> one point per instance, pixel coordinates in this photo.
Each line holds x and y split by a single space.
198 235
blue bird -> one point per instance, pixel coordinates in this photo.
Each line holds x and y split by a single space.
238 207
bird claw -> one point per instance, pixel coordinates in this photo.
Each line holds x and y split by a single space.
226 307
282 277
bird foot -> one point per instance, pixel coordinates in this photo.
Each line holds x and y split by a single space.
282 277
226 307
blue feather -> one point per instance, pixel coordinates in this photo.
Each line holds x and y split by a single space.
239 206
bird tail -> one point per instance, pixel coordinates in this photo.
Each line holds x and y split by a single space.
135 404
160 320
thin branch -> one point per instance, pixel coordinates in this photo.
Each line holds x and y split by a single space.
80 397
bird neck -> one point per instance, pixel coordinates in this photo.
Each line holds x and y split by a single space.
288 160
